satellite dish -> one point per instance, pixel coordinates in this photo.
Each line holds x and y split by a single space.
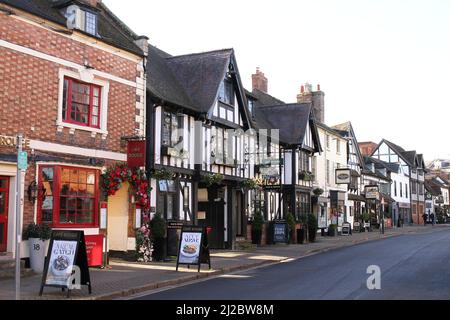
71 15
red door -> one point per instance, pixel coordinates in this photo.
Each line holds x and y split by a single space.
4 197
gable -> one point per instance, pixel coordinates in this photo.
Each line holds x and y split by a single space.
308 138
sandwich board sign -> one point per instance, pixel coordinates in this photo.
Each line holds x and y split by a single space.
66 262
193 248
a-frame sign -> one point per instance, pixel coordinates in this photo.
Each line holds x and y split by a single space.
193 248
66 264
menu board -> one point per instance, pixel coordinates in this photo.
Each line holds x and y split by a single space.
193 248
62 257
67 255
279 232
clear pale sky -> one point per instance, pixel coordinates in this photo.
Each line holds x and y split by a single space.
383 65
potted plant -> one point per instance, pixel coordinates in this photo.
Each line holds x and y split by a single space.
332 230
38 236
301 233
257 226
162 174
290 221
312 227
158 236
318 192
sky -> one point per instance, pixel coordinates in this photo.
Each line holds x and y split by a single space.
384 65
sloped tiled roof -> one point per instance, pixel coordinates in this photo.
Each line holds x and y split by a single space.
110 28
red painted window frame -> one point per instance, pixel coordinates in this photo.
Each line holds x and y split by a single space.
91 105
3 247
57 194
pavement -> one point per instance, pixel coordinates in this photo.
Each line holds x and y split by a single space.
411 267
124 279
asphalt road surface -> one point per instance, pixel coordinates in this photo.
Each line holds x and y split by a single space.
414 266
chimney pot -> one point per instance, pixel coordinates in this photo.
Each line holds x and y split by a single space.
259 81
302 89
318 87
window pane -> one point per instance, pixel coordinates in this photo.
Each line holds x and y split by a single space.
65 189
230 115
82 177
90 191
73 175
65 91
73 189
91 178
72 203
95 121
82 190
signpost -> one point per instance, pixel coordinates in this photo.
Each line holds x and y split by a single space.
22 164
66 261
193 248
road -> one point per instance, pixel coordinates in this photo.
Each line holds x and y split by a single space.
414 266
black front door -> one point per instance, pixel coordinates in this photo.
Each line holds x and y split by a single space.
214 217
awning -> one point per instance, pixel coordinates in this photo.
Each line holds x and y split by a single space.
356 197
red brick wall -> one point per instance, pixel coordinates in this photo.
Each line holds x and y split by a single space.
29 95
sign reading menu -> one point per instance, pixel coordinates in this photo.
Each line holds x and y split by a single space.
193 248
66 262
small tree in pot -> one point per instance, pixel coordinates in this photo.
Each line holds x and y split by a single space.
158 237
332 230
301 233
290 220
312 227
257 226
37 236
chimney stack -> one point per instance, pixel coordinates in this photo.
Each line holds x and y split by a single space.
93 3
316 98
259 81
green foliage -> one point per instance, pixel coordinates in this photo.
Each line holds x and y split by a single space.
157 227
290 220
163 174
332 226
366 216
258 221
249 184
318 191
211 179
43 232
312 221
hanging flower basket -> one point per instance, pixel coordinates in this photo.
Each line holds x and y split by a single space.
162 174
212 178
318 191
249 184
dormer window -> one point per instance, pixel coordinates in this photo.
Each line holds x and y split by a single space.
226 92
81 19
90 23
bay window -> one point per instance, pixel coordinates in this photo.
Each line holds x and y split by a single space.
68 196
172 127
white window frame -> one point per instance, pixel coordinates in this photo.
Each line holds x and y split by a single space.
81 76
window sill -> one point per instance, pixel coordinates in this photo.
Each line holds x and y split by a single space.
79 127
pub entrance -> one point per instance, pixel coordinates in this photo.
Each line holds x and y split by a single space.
212 215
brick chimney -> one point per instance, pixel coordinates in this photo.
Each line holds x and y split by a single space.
259 81
93 3
316 98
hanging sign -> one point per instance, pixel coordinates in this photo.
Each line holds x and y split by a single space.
136 153
372 192
343 176
193 248
66 262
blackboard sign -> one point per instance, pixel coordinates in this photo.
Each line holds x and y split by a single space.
346 229
279 232
173 237
66 262
193 248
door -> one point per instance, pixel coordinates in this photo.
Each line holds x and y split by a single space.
4 197
118 220
214 218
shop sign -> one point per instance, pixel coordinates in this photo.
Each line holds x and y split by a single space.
136 153
94 250
343 176
371 192
8 141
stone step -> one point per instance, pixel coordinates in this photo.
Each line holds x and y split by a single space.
8 269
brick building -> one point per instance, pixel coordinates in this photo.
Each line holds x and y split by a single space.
73 83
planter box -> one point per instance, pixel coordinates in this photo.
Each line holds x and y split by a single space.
38 251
